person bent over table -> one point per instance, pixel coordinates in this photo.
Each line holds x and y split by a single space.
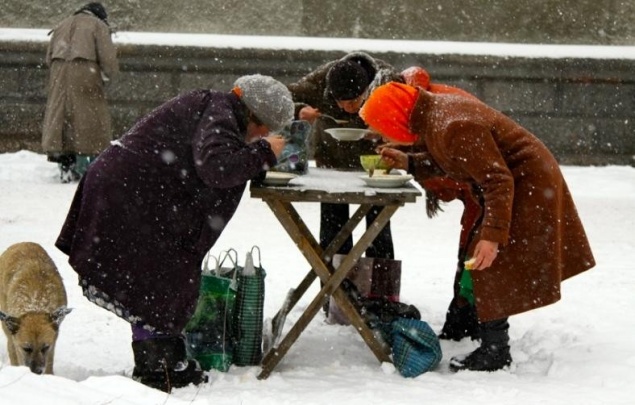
529 237
153 204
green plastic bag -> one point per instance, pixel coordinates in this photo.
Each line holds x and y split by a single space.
466 286
209 334
248 315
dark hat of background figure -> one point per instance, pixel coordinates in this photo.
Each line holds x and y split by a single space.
347 80
96 8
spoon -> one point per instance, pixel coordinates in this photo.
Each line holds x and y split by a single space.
337 120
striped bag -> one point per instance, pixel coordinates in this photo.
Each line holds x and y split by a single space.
248 313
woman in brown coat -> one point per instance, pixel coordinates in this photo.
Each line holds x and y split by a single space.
82 58
529 237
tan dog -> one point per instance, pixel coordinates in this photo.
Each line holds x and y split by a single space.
32 305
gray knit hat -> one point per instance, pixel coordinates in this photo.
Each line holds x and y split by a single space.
268 99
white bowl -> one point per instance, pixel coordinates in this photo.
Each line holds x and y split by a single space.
347 134
386 180
278 178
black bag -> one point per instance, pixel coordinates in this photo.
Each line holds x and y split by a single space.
373 278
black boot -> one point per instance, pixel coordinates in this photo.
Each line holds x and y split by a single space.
162 363
492 355
460 322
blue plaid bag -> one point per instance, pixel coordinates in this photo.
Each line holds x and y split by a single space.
415 347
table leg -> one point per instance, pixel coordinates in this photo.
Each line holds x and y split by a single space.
381 351
298 231
328 253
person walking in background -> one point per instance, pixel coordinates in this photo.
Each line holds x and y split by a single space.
148 210
82 59
529 237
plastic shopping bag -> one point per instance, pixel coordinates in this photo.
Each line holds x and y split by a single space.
209 333
248 315
294 156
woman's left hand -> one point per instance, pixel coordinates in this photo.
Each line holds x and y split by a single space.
277 143
484 254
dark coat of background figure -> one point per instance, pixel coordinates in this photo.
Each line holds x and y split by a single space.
313 90
81 58
144 216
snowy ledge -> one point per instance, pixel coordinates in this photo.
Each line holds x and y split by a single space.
347 44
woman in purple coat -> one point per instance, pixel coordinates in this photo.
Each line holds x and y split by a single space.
156 201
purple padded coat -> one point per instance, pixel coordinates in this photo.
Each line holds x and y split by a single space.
153 203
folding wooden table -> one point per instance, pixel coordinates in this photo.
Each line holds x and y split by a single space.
329 186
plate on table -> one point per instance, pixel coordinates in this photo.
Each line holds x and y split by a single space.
347 134
387 180
278 178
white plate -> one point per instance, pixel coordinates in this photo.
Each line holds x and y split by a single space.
278 178
347 134
387 180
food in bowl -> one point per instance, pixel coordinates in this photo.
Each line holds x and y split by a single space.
374 163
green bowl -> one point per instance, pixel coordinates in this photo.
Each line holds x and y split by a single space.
375 161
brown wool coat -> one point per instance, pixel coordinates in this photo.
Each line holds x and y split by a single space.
77 119
527 205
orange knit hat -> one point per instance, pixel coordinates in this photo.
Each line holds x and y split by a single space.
388 110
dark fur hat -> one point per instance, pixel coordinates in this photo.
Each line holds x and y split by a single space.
347 80
96 8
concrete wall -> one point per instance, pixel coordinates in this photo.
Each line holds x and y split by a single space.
602 22
583 109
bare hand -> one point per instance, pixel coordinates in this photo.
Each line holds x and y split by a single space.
484 254
309 113
277 143
394 158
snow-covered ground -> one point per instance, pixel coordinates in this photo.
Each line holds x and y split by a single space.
579 351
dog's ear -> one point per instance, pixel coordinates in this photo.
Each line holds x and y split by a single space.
12 323
58 315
